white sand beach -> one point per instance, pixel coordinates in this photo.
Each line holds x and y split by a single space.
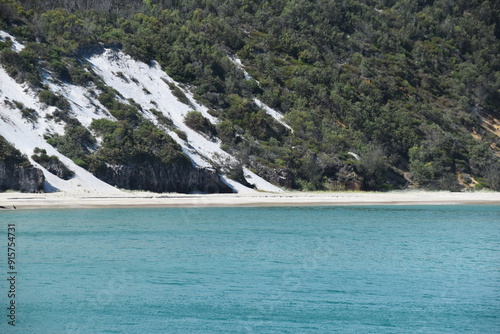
125 199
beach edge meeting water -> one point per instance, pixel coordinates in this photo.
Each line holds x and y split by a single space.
10 200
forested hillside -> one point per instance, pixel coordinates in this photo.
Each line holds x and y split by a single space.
376 95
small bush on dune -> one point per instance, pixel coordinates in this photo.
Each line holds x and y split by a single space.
196 121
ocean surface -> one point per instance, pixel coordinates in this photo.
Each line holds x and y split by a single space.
360 269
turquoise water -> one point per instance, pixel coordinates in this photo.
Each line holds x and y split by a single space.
379 269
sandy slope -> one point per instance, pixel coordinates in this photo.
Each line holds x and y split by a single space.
144 199
145 84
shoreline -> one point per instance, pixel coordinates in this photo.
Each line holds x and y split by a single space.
136 199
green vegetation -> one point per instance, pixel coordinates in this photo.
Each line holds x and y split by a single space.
27 113
162 119
182 135
403 83
76 143
119 110
178 93
52 164
9 153
123 143
52 99
196 121
21 66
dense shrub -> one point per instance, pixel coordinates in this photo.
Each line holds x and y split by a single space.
9 153
121 111
182 135
21 66
123 143
52 164
196 121
76 143
52 99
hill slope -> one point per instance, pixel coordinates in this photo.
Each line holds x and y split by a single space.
205 96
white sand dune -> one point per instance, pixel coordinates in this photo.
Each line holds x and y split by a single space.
145 84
